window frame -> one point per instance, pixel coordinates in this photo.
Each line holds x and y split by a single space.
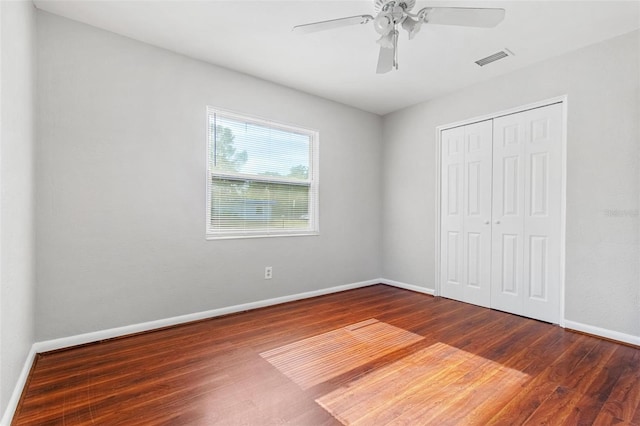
313 227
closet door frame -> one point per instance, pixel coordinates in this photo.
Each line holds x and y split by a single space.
563 100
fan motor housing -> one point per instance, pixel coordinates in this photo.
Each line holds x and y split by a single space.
380 5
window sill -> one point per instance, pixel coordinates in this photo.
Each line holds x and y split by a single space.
243 236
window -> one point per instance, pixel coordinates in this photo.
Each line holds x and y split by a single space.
262 179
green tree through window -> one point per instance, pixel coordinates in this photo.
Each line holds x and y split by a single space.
224 155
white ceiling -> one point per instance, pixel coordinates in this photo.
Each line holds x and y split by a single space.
255 37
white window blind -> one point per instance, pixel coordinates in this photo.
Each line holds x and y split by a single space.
263 177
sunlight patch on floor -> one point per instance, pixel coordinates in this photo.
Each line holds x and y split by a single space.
315 360
430 386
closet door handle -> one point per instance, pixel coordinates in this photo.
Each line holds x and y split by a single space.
497 222
486 222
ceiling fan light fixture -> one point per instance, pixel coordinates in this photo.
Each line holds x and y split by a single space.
412 26
383 23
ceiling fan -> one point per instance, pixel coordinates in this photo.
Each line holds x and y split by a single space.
390 14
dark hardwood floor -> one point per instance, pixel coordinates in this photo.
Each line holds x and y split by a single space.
372 356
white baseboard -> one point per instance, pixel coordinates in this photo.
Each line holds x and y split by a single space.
572 325
96 336
411 287
17 390
603 332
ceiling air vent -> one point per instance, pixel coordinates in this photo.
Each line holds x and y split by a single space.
495 57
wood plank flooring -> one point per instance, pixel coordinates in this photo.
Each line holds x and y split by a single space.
372 356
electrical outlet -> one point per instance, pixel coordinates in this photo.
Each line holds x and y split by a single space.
268 272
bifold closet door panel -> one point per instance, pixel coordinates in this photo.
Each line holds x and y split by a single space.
527 158
542 206
508 213
466 213
476 213
451 217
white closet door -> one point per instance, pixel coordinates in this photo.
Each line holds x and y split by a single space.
526 213
477 213
451 208
542 207
508 213
466 213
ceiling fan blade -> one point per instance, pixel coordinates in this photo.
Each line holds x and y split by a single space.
385 60
465 16
332 23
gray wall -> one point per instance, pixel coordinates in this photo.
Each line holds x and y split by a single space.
121 165
121 187
603 184
17 273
